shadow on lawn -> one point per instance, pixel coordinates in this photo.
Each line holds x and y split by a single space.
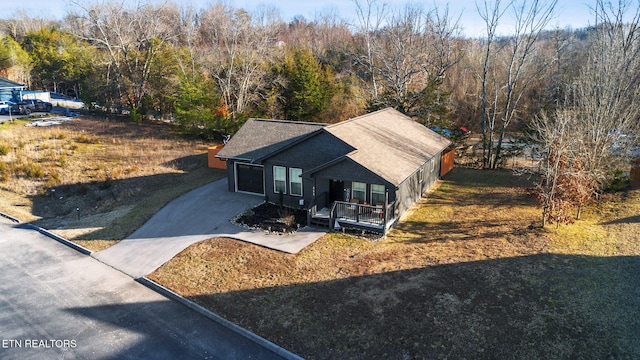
627 220
540 306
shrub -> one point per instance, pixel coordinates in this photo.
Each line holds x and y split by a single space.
4 172
31 170
62 160
54 178
58 136
34 171
86 139
136 116
4 149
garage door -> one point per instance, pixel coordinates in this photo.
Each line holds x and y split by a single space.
250 178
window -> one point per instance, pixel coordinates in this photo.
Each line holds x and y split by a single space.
295 181
421 175
280 179
359 191
377 194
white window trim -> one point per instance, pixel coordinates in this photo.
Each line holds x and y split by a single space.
291 182
383 193
353 189
275 188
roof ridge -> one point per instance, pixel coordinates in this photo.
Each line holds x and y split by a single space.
289 121
357 118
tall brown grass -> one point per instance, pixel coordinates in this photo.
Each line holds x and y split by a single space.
100 165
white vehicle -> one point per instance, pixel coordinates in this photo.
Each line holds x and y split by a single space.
4 107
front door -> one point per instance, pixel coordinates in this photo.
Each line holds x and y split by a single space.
336 191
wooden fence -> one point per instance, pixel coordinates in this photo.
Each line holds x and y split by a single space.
446 165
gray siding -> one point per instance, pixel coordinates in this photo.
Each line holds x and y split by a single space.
313 152
309 154
231 175
350 171
410 190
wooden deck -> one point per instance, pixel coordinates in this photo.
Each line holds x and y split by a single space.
358 216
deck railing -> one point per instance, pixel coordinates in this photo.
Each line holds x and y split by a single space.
377 217
313 208
374 215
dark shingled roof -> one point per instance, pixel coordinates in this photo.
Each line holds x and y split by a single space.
258 138
387 142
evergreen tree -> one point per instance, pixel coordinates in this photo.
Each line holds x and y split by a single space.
61 63
13 59
200 110
310 86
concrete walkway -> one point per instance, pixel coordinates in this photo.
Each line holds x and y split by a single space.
201 214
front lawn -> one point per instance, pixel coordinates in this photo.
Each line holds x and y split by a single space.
467 274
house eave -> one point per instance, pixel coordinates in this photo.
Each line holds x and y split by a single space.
426 161
232 158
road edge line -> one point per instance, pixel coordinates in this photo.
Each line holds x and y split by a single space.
49 234
15 220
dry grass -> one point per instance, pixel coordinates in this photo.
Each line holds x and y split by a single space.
95 181
465 275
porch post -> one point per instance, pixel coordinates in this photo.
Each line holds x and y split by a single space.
386 205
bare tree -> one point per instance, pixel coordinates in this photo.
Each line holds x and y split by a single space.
505 83
411 53
371 15
238 46
21 23
593 127
398 53
564 183
606 91
187 39
131 37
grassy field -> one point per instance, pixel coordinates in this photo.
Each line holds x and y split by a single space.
95 180
467 274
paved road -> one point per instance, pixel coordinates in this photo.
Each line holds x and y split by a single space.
201 214
58 303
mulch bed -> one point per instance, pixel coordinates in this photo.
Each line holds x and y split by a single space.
274 218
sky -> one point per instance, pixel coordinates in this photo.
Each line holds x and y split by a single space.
570 13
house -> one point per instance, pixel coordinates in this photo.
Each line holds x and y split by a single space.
10 90
362 173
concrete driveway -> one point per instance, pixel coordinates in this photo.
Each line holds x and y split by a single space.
201 214
56 303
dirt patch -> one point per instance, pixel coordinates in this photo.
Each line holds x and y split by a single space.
466 275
